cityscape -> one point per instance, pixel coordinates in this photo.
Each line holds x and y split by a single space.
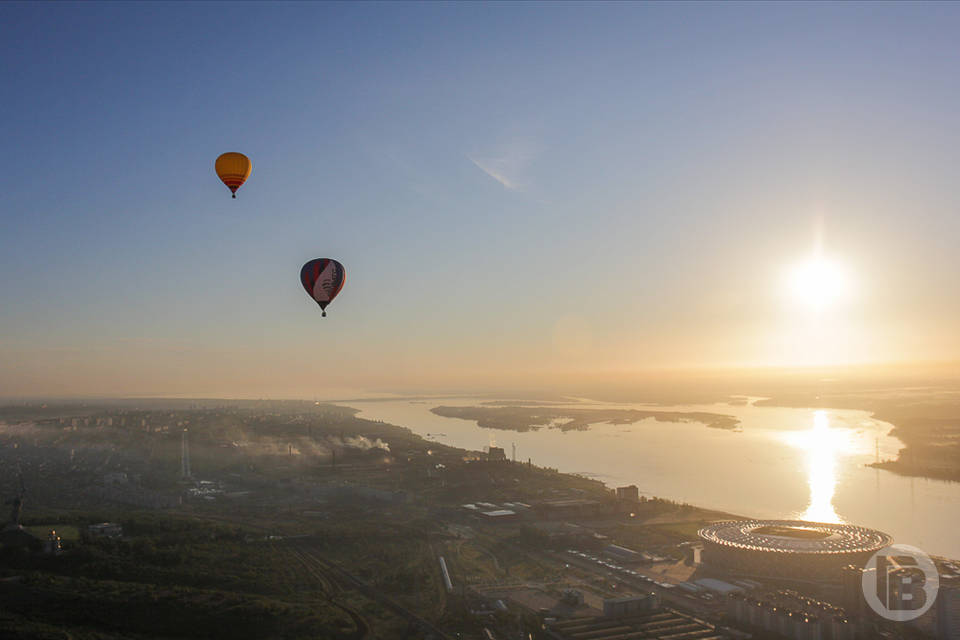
479 320
333 525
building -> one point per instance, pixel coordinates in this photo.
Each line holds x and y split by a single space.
658 624
853 600
630 605
789 549
718 587
789 614
519 507
629 493
105 530
622 554
496 454
948 609
499 515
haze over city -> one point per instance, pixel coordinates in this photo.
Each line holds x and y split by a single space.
479 321
517 194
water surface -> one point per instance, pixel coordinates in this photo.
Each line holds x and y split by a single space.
781 463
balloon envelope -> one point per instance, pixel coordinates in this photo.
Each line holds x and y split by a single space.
234 169
322 278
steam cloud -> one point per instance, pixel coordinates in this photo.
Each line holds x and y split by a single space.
362 442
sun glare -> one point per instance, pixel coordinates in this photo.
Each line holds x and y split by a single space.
818 283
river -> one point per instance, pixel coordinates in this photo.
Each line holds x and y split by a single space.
781 463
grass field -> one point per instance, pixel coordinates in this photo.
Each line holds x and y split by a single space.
67 532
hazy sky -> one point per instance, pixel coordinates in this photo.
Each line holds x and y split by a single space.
514 189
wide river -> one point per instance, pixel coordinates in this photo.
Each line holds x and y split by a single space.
781 463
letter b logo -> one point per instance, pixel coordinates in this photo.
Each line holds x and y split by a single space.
900 582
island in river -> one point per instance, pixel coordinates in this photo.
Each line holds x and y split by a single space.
531 418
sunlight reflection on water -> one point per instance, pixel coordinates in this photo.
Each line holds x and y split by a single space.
781 463
824 445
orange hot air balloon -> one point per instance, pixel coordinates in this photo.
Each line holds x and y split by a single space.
234 169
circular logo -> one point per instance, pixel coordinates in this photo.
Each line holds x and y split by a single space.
900 582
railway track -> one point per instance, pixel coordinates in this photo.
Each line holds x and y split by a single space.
333 579
348 580
330 589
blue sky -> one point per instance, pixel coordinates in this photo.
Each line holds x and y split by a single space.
513 189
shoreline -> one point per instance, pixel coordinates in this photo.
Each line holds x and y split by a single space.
930 433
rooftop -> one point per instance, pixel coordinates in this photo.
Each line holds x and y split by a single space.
794 536
665 623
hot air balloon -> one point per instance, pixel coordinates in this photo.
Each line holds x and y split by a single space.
234 169
323 279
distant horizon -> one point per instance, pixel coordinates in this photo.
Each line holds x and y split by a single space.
341 318
517 192
680 380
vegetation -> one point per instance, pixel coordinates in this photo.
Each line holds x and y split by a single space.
309 522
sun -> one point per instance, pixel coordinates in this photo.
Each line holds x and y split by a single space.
818 283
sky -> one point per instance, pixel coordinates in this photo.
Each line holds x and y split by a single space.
516 191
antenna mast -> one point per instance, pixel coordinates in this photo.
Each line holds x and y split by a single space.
184 456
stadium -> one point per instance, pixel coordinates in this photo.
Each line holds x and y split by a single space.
788 549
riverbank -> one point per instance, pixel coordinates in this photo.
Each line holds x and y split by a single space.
927 421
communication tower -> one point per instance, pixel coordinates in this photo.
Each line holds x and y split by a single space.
184 456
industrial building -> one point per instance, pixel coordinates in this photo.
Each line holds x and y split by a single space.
630 605
788 549
718 587
490 512
499 515
623 554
